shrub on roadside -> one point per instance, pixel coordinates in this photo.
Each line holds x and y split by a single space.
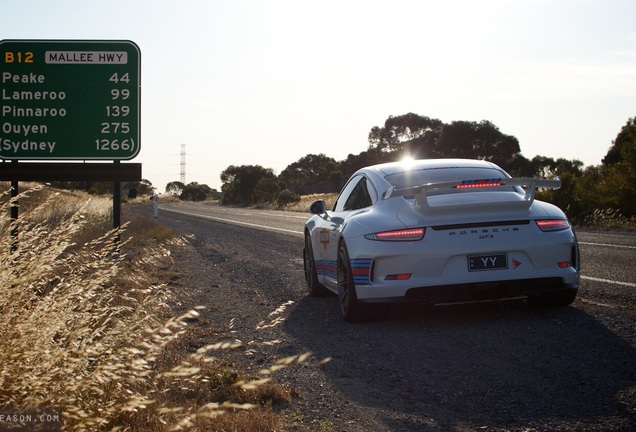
287 197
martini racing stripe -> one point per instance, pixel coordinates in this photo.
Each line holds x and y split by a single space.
327 268
361 269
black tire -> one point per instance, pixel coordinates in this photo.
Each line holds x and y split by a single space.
315 288
352 310
559 298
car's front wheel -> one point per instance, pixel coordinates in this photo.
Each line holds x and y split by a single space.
352 310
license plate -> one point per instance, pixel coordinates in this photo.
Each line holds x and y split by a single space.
487 262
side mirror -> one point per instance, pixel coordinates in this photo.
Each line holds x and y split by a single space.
318 207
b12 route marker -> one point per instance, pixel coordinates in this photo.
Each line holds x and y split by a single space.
69 100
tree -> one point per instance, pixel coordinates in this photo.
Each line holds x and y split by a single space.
619 172
336 180
472 140
625 140
519 166
587 196
354 162
239 183
144 187
410 134
423 137
196 192
310 174
175 187
548 168
267 190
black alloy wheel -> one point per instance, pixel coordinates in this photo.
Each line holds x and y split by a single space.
352 310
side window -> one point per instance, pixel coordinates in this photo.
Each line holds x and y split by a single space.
359 197
346 193
356 195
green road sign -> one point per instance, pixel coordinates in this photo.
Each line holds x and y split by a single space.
69 99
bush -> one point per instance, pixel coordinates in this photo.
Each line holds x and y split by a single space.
287 197
194 192
267 189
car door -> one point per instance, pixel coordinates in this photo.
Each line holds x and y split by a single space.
354 196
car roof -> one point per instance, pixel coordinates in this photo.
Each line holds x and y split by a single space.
422 164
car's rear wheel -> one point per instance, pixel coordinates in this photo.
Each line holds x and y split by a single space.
352 310
315 288
553 298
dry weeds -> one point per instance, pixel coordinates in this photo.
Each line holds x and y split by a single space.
83 327
610 219
306 200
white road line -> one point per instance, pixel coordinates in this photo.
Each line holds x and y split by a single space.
607 245
629 284
278 215
584 300
260 212
234 222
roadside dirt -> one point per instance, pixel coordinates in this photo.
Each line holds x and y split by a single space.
498 366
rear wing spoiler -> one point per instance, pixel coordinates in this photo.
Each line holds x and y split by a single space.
530 185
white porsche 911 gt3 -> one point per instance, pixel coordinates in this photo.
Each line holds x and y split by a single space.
440 231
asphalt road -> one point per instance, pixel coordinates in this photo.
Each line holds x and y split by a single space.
495 367
290 223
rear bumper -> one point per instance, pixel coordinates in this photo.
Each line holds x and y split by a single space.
479 291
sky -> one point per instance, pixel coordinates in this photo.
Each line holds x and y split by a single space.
266 82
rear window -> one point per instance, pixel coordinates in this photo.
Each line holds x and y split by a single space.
420 177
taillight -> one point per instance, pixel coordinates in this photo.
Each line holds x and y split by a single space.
482 183
403 235
552 224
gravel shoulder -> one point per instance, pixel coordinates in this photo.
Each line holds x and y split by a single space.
498 366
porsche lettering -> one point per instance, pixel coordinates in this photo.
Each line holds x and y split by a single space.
484 231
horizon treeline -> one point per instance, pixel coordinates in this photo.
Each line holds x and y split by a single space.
587 193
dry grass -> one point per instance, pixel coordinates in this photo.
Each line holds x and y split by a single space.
306 200
610 219
85 328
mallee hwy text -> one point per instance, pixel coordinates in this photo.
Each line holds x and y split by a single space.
94 57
